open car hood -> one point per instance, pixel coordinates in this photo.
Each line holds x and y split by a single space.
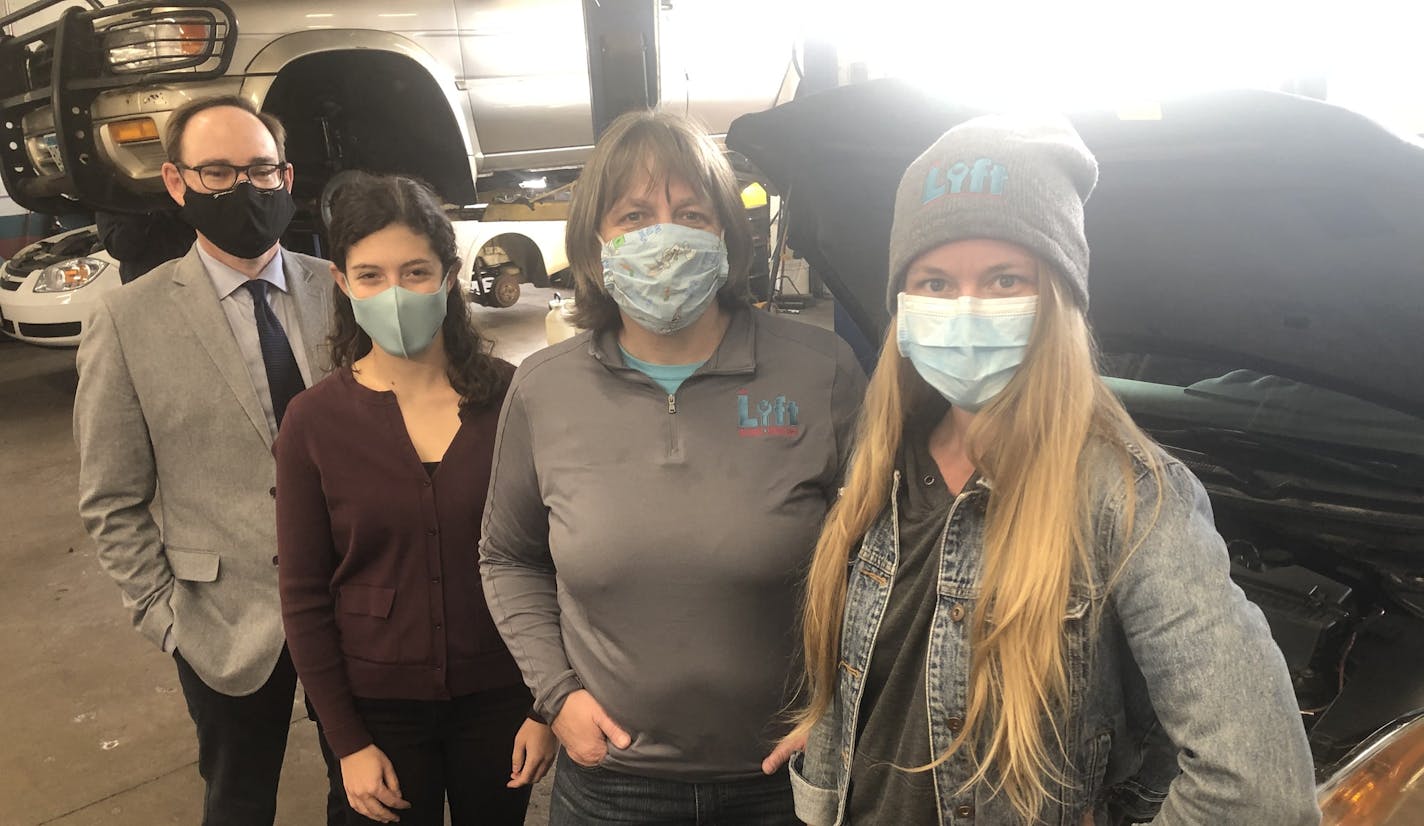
1253 228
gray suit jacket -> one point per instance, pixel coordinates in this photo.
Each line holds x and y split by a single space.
165 406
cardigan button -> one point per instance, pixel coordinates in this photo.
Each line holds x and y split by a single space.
274 560
272 492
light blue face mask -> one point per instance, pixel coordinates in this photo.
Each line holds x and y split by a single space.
402 322
966 348
665 276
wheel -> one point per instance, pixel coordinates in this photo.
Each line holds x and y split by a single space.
505 292
496 286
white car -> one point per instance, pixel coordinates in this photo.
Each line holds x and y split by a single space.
49 289
498 256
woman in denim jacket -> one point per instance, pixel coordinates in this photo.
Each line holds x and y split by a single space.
1019 609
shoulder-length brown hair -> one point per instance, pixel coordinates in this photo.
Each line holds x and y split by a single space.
663 145
370 203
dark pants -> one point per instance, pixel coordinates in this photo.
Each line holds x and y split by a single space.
461 749
336 806
594 796
241 743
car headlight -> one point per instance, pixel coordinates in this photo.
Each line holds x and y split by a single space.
1382 784
69 275
156 45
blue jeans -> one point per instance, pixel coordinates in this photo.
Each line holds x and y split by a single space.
585 796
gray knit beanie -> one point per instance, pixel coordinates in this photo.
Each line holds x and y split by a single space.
1017 179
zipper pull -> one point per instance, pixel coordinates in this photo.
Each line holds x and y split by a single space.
672 404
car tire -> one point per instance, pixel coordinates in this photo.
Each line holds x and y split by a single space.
505 292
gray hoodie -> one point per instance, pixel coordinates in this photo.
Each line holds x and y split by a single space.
650 548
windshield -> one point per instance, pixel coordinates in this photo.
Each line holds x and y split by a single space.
1173 392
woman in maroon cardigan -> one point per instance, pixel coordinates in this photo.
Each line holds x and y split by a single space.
382 470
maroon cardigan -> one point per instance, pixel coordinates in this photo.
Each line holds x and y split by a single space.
378 562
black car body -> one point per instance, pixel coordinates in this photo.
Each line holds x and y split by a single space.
1257 292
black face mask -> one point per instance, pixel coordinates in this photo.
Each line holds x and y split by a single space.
244 221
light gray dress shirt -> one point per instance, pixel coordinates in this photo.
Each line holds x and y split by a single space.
237 306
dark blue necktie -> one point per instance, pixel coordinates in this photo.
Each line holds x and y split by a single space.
284 378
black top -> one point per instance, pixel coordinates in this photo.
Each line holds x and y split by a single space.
893 727
141 242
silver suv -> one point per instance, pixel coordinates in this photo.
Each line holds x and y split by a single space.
453 91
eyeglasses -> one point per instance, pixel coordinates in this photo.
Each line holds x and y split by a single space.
221 177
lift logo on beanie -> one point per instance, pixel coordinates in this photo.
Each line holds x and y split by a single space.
1016 178
941 179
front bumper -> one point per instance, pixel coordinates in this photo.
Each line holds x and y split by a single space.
54 141
51 319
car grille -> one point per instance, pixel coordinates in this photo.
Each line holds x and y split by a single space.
61 330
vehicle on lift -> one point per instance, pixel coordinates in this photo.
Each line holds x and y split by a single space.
1257 293
485 99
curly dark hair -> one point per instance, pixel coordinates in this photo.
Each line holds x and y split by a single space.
369 203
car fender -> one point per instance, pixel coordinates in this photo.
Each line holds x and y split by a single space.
262 70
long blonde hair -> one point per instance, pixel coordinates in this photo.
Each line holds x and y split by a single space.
1029 443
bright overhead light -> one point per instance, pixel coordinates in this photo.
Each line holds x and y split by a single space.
1087 54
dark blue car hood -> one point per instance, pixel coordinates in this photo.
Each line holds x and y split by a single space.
1254 228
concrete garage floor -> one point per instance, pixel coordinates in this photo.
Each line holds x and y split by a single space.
95 728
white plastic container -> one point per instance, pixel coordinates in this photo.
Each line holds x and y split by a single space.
557 324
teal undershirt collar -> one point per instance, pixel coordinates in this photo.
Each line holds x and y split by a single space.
667 376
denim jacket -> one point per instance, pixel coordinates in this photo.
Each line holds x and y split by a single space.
1180 705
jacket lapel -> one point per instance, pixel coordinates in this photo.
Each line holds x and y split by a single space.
311 292
197 302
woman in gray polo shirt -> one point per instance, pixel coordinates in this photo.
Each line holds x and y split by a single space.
659 482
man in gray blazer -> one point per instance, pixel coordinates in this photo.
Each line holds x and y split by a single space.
184 377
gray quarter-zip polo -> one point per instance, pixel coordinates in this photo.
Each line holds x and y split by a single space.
650 547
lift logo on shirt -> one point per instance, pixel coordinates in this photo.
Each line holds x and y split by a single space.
768 417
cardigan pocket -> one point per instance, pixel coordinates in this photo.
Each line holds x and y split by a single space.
363 619
367 600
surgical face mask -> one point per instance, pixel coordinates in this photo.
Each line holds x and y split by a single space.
244 221
402 322
665 276
966 348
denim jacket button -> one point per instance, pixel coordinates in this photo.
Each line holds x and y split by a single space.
956 724
964 811
956 613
